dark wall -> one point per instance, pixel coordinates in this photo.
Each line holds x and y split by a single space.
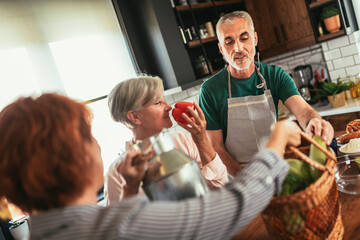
155 39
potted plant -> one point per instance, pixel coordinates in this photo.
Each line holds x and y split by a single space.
331 18
334 91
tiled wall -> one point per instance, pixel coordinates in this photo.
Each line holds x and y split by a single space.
341 56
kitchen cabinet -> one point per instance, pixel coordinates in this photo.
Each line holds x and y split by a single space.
154 40
347 18
197 21
281 25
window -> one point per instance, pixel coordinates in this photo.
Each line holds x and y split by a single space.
75 48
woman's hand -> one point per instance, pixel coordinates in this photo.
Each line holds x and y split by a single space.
284 133
198 133
197 126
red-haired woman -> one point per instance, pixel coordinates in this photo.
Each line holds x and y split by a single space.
51 167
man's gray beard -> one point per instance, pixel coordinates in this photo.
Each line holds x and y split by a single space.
231 63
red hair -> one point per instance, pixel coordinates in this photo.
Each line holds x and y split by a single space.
43 160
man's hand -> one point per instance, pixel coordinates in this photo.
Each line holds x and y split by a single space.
309 120
320 127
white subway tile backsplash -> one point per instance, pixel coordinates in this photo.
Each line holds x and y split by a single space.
303 55
332 54
288 55
169 99
357 59
194 90
315 46
268 60
329 65
295 62
299 51
338 42
191 99
337 73
352 38
349 50
316 51
324 46
350 71
180 96
283 66
343 62
315 58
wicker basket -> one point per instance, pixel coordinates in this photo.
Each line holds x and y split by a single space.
313 213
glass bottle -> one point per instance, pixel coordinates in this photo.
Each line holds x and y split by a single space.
179 176
320 29
353 87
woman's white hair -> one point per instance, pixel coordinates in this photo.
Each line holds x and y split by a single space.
133 94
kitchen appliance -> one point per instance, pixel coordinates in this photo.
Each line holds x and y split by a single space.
303 74
179 176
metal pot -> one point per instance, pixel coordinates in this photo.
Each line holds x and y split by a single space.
179 176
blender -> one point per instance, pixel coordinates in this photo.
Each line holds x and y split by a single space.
303 75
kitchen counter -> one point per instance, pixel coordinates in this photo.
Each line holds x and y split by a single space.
351 105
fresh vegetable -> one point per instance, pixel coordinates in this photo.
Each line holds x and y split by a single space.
318 156
180 108
297 178
295 223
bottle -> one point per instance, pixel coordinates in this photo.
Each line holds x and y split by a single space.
353 89
320 29
179 176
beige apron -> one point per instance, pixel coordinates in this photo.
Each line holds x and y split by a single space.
249 121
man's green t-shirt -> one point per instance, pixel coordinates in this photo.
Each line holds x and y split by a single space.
214 92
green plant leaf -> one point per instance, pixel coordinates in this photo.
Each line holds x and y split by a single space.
329 12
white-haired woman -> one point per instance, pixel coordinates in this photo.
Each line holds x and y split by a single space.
139 104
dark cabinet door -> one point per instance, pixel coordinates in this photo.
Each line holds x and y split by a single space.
265 22
294 23
282 25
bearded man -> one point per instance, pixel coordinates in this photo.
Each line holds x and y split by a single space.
240 102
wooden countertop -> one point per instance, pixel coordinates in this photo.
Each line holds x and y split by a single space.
350 209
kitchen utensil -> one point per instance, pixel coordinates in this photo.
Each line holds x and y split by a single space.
303 75
179 176
347 175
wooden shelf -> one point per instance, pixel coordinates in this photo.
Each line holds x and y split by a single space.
319 3
207 4
226 2
195 43
209 39
194 6
331 35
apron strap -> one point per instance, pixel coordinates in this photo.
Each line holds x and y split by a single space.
261 85
263 82
229 83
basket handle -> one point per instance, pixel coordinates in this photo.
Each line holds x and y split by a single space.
308 160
